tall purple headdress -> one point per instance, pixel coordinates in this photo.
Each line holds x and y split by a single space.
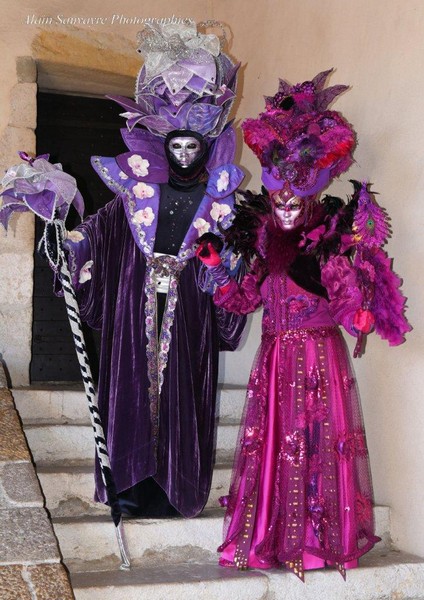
186 81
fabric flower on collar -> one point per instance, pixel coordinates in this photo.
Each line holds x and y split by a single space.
223 181
142 191
139 166
144 216
219 211
201 225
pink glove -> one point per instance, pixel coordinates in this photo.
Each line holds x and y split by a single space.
208 255
363 321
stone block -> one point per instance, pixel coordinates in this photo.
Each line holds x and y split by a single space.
26 69
230 401
19 359
26 536
43 582
15 341
19 486
193 581
38 405
19 238
60 442
13 446
50 582
23 105
12 584
13 140
3 376
52 405
16 274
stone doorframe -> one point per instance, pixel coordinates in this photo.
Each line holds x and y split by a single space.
85 70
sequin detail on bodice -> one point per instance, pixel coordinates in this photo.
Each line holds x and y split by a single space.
177 209
287 306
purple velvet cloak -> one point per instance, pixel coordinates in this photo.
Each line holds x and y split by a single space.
177 449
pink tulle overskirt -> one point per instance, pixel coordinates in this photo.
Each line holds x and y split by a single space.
301 492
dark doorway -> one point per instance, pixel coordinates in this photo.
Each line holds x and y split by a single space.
71 129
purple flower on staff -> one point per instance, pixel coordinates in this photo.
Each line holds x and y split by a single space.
39 186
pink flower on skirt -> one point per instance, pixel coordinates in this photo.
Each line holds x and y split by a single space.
351 444
294 449
252 440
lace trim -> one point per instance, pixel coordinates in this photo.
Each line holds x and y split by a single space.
158 346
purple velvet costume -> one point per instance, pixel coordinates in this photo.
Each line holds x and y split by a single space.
156 393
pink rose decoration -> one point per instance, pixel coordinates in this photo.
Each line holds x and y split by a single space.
223 181
85 273
219 211
142 190
145 216
139 166
202 226
363 321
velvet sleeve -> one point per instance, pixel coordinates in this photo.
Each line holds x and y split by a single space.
85 247
345 297
230 324
240 298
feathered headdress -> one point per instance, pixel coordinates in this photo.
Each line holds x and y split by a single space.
299 142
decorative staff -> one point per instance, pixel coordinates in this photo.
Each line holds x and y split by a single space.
43 188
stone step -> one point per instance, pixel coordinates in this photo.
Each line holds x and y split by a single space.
382 575
53 443
53 404
190 581
68 488
92 538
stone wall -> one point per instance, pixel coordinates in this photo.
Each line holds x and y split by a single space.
88 66
30 567
16 256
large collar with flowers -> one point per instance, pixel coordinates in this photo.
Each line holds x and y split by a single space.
141 199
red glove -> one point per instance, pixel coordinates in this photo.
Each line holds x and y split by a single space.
208 255
363 321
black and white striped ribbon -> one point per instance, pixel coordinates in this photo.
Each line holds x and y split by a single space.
60 265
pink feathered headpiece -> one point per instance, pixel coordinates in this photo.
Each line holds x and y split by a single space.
298 141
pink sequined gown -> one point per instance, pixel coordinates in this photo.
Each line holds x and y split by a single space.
301 492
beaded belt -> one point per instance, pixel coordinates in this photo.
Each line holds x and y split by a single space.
163 266
301 335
